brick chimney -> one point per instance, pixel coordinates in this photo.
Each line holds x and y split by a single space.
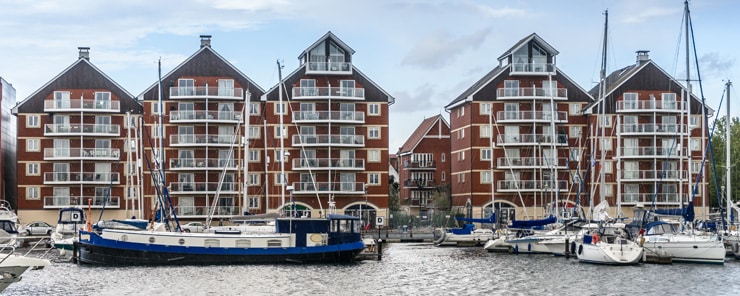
205 40
84 53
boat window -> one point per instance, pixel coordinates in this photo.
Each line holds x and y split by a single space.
274 243
211 243
243 243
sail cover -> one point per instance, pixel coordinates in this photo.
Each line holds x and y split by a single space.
489 220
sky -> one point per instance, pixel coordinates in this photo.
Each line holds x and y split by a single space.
423 52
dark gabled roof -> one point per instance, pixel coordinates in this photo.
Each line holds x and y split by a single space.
329 35
526 40
204 62
644 76
82 74
421 131
485 80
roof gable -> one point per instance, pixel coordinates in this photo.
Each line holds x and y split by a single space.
421 131
328 36
524 41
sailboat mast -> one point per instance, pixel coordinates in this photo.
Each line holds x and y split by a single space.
282 138
490 146
160 158
602 105
687 109
728 179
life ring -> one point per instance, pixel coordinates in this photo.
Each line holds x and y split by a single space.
595 238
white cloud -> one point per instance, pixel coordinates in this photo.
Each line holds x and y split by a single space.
648 13
440 48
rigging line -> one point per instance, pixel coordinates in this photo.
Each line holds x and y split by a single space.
678 47
511 169
110 185
164 192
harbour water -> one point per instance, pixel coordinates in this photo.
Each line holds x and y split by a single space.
406 269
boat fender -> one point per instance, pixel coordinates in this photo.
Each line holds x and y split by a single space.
573 247
580 250
516 249
529 247
737 248
642 241
595 239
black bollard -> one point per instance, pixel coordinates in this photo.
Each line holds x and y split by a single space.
380 249
567 248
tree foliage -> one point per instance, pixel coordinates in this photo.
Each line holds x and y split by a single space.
717 161
393 192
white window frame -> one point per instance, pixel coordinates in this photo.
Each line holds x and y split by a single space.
255 155
485 177
694 143
253 134
608 167
485 131
254 179
279 132
373 178
575 109
33 169
279 178
576 131
254 108
606 144
32 145
278 153
442 157
485 108
280 109
373 109
373 156
694 121
485 154
373 132
33 193
32 121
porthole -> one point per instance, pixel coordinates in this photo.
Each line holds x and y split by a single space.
151 239
181 241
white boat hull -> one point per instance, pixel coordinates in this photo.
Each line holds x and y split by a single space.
621 253
686 248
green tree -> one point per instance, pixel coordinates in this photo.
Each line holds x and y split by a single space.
393 192
717 162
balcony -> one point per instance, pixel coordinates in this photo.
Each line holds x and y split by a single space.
102 178
100 130
201 140
650 152
650 129
202 92
649 106
188 164
352 117
531 186
203 187
531 163
81 154
647 198
350 164
323 93
328 188
532 93
330 68
420 165
651 175
419 183
531 140
532 69
202 116
328 140
95 202
531 116
203 211
82 106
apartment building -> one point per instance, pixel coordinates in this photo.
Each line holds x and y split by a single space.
424 167
518 136
73 145
654 138
331 153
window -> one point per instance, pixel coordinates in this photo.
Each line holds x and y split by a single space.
373 156
280 178
511 88
462 155
443 176
463 177
155 107
254 155
155 131
254 179
485 177
373 109
279 132
575 154
630 101
669 101
606 144
32 169
575 131
131 122
32 193
254 202
485 131
280 108
695 166
373 132
254 108
442 157
485 108
254 132
607 120
609 190
485 154
373 178
695 145
284 157
575 109
32 121
694 121
608 167
32 144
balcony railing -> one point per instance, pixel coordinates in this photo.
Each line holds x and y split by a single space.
340 93
81 178
652 175
531 116
203 187
202 211
531 186
532 139
659 152
202 92
81 153
419 183
648 106
324 140
532 93
82 130
58 202
652 129
201 164
329 68
532 69
420 165
531 162
328 163
81 105
326 187
647 198
327 116
205 116
202 140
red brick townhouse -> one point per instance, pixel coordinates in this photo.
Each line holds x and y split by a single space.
653 140
335 136
424 165
75 145
518 136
